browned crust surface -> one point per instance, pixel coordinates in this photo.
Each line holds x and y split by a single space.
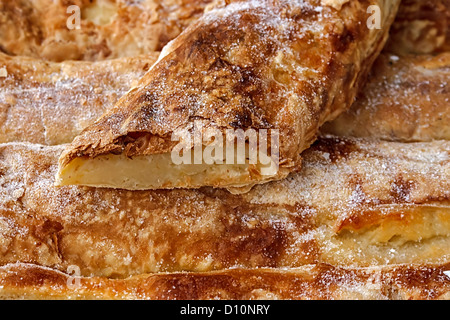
119 28
406 98
401 282
280 65
354 203
347 190
50 103
421 27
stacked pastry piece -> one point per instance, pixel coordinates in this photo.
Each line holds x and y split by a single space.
362 213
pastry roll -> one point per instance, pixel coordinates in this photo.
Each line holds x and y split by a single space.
355 203
50 103
421 27
406 99
320 281
92 30
235 99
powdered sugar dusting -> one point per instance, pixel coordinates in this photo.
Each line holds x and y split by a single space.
405 99
48 97
286 223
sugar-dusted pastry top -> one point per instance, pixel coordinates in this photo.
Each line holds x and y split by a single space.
355 203
321 281
50 103
108 29
362 219
89 89
406 98
278 65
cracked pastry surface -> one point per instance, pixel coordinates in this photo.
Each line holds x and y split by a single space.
109 29
50 103
355 203
321 281
273 65
87 96
386 243
391 106
406 98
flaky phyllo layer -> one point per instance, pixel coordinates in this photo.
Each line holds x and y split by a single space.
93 30
232 160
361 219
321 281
287 66
354 204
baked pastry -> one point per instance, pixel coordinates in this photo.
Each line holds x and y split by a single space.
281 68
364 219
107 29
406 99
421 27
93 88
400 282
57 101
355 203
64 98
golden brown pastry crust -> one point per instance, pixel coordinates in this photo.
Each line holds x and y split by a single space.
421 27
354 203
406 98
50 103
400 282
390 199
391 106
247 64
109 29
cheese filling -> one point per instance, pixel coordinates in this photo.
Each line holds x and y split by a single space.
158 171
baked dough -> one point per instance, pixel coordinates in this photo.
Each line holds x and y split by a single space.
391 106
58 100
109 29
406 99
355 203
90 89
377 211
401 282
50 103
421 27
283 65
